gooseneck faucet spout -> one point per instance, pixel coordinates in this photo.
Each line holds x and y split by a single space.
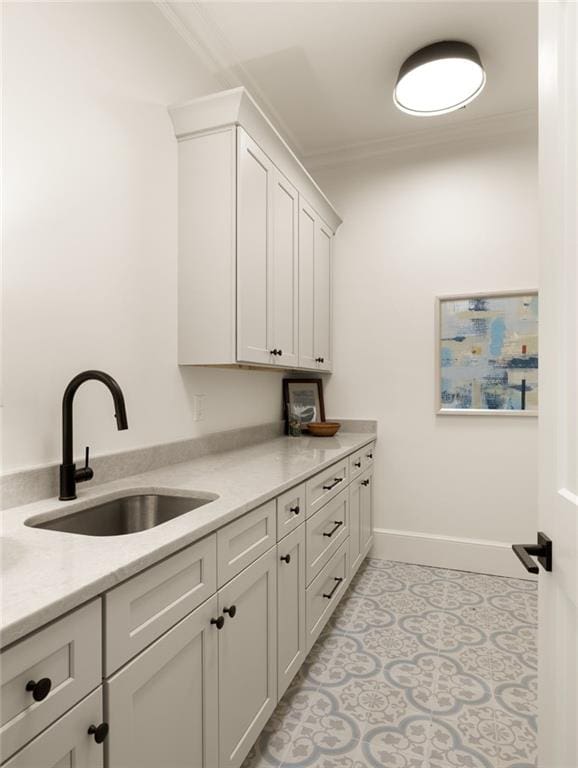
69 475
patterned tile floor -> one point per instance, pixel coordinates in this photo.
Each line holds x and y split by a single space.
418 668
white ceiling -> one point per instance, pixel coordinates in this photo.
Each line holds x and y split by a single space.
326 70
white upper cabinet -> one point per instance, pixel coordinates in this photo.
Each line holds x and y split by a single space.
315 278
322 296
255 258
285 271
254 279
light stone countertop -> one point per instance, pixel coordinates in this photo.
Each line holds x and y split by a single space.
47 573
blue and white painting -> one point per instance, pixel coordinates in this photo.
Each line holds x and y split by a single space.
489 353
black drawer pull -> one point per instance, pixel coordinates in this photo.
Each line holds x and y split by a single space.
39 689
219 622
365 482
333 484
295 510
338 580
357 464
338 523
100 732
319 359
369 456
286 558
231 611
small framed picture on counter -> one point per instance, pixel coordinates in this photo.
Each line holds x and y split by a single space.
303 400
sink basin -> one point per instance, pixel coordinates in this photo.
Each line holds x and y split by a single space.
129 514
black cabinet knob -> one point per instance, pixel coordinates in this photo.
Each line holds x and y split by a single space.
319 359
231 611
295 510
279 352
370 455
219 622
276 352
39 689
286 558
357 464
365 482
100 732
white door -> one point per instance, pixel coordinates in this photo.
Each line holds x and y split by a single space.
291 629
254 180
322 296
164 702
558 590
284 271
67 743
247 657
307 228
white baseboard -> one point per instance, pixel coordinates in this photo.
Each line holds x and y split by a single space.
478 555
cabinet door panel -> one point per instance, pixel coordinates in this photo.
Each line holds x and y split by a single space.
355 554
247 658
162 706
291 628
67 743
322 296
253 249
307 224
284 298
366 513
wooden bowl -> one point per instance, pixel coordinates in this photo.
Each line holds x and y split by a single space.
323 428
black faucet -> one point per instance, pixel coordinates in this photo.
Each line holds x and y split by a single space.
69 475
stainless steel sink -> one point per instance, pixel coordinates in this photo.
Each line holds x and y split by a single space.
129 514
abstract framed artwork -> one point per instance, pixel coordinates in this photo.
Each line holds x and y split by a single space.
487 354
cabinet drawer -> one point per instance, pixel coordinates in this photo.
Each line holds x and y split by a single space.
356 464
244 540
68 654
326 485
66 742
144 607
290 510
325 531
325 592
368 455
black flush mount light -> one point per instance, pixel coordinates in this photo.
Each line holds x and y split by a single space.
439 78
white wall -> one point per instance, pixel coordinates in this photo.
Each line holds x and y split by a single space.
90 240
416 225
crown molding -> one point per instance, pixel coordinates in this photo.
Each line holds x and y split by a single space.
522 121
203 35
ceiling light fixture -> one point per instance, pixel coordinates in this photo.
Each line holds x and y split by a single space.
439 78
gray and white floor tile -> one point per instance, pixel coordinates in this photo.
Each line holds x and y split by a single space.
418 668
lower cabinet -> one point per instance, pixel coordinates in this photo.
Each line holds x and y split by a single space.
291 626
360 519
67 742
199 695
366 513
162 706
247 658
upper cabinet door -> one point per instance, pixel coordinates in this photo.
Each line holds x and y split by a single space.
254 318
307 226
284 271
322 296
315 267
